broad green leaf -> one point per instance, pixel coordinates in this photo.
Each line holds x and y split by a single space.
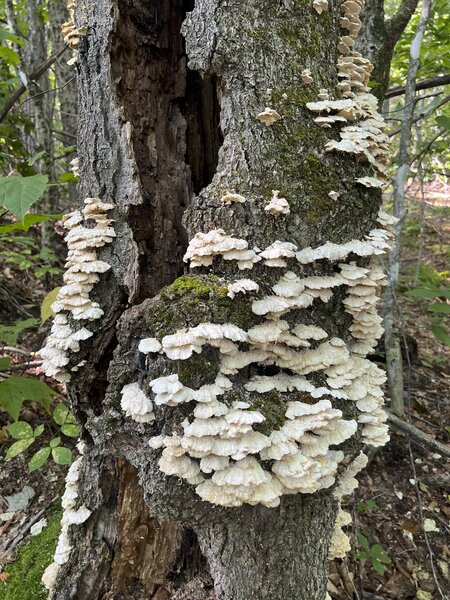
38 431
55 442
440 307
29 220
379 568
62 456
46 311
70 430
19 447
441 334
18 194
39 459
443 121
20 430
15 390
9 55
10 333
60 413
5 361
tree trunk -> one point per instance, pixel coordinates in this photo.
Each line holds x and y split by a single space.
167 130
378 39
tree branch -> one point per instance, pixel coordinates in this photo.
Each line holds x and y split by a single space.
417 435
397 24
31 77
421 85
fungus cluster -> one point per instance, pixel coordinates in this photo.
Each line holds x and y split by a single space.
73 304
71 516
277 206
205 246
269 116
71 33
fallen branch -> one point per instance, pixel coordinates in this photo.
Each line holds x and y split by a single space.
31 77
24 366
417 435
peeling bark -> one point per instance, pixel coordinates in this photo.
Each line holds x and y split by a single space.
150 103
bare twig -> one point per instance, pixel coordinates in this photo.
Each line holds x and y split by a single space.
12 350
24 366
424 114
418 436
421 85
31 77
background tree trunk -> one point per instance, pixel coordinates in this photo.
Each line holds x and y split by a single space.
166 127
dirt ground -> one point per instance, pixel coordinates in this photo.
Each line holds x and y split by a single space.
400 532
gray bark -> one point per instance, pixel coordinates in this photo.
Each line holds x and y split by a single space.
149 142
379 37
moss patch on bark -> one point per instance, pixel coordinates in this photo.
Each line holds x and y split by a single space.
24 581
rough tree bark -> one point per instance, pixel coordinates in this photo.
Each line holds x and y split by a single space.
378 38
167 127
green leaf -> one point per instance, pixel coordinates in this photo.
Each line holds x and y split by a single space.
36 157
18 447
9 55
62 456
15 390
6 35
38 431
5 361
20 430
10 333
440 307
443 121
60 413
70 430
423 293
18 194
379 568
46 311
29 220
39 459
68 178
441 334
363 541
55 442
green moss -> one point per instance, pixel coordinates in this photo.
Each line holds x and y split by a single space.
24 582
273 406
199 369
195 299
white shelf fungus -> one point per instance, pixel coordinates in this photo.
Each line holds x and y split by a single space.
205 246
242 286
269 116
306 76
320 6
82 272
135 404
230 198
277 206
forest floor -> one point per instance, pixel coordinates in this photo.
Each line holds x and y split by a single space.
400 533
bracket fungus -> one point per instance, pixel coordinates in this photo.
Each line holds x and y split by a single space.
269 116
83 269
277 205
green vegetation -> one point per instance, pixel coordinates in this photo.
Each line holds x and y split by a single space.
24 581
